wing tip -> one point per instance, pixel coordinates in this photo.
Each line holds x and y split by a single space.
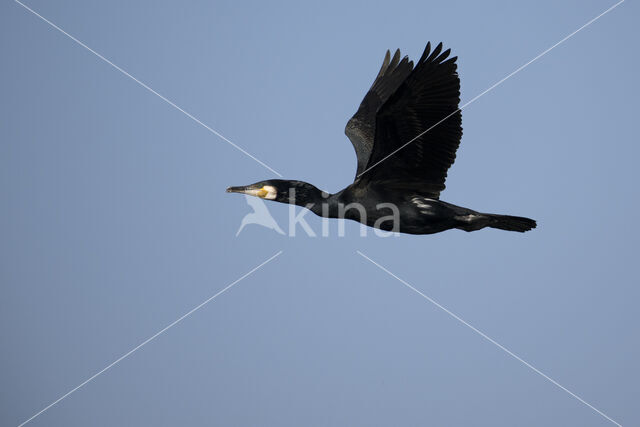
437 55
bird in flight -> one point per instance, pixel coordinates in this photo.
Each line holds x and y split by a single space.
405 134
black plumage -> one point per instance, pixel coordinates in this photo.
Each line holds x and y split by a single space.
405 133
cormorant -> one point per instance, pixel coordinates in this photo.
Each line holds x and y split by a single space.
405 134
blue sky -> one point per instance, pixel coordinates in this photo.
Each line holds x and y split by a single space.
114 219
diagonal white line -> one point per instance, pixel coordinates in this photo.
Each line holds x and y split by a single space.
491 340
168 101
498 83
151 338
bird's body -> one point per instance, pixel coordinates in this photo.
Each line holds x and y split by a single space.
416 214
405 134
419 214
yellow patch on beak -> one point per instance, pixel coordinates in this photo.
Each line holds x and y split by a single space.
262 193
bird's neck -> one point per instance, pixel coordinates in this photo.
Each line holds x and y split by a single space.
308 196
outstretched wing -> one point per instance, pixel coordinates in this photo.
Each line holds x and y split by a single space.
424 110
361 127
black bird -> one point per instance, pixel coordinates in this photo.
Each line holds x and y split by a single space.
405 133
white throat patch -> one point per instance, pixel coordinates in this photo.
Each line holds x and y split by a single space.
272 192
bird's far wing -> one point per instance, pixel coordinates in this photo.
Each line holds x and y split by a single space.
429 94
361 127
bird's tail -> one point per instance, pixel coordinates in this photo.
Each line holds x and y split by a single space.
511 223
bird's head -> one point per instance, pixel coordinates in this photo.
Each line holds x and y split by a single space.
269 190
274 189
280 190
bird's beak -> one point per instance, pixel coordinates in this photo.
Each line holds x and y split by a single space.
235 189
251 191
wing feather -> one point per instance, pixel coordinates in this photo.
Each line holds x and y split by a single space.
361 127
429 94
